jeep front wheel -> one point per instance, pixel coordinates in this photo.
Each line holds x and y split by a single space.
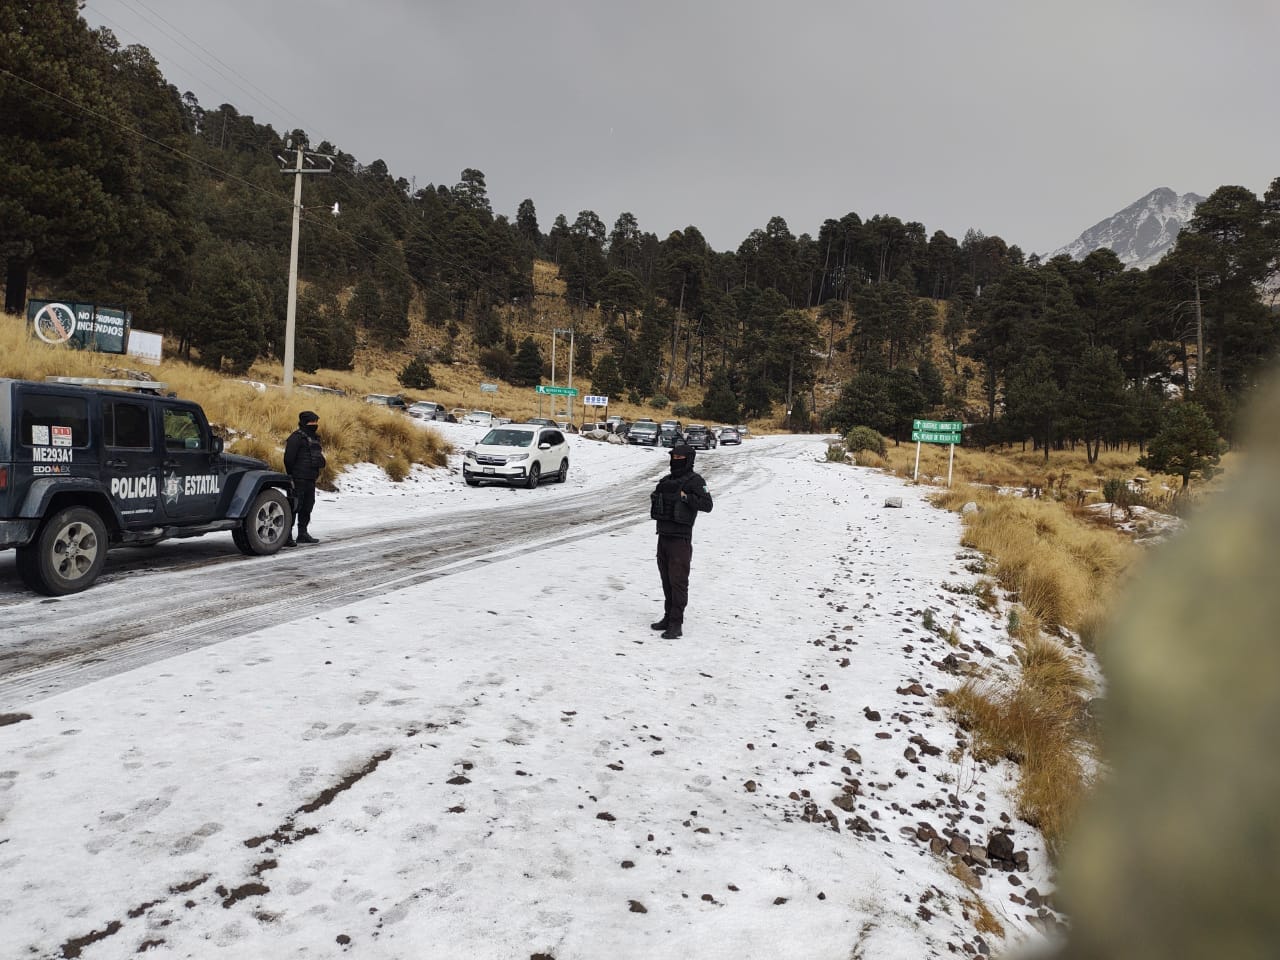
266 526
67 554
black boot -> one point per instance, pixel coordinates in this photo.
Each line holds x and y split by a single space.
672 632
304 537
291 542
660 625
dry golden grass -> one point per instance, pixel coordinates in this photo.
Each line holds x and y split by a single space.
1035 724
1062 569
254 424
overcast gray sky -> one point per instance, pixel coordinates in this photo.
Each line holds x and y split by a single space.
1024 119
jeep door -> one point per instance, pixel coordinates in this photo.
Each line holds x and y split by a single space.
191 474
131 460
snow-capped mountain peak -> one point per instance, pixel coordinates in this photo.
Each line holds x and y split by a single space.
1141 233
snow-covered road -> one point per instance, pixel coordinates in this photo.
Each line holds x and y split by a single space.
481 750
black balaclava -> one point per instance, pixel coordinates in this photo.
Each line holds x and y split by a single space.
682 459
308 421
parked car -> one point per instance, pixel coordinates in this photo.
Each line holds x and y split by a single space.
594 426
643 433
316 388
567 426
541 421
742 430
669 436
457 413
729 435
699 437
519 454
482 418
426 410
394 401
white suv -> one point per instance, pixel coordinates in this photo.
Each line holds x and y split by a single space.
519 454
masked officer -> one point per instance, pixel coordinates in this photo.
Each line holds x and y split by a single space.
674 504
303 461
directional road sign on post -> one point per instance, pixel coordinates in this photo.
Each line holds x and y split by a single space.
556 391
936 431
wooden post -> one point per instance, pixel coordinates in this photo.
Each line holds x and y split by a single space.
916 476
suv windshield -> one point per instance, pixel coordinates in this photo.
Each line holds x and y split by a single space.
508 438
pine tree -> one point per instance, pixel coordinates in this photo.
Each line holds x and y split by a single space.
527 371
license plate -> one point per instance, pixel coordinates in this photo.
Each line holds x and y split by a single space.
488 469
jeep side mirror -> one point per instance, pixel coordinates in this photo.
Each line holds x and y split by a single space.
217 444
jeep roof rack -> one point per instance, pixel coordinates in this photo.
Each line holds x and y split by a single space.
141 386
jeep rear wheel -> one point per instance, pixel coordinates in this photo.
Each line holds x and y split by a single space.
267 525
67 554
535 472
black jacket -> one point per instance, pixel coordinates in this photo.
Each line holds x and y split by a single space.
674 513
303 456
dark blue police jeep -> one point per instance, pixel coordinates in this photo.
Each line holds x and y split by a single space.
83 469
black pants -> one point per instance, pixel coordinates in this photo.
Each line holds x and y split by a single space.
675 555
304 493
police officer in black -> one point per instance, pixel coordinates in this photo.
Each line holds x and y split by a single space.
303 461
674 504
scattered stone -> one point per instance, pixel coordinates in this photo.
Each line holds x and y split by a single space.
893 502
457 781
825 746
779 901
971 507
637 906
628 864
853 756
602 815
750 786
959 845
872 715
882 735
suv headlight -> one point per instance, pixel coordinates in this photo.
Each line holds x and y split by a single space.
470 454
515 457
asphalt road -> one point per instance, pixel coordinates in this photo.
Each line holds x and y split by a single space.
157 602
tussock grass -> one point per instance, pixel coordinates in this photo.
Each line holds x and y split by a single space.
253 424
1062 570
1035 724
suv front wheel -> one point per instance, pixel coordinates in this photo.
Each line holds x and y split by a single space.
266 526
67 554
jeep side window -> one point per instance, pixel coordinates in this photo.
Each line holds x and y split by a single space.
181 430
126 425
48 420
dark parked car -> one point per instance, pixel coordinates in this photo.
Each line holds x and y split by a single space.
699 437
643 433
730 435
670 436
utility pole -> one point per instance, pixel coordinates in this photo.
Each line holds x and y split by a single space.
306 162
555 333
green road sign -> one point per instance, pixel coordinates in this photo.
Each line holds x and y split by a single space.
557 391
934 436
937 426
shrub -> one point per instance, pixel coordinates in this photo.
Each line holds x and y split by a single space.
416 374
1115 490
658 401
683 410
837 453
397 468
864 438
496 362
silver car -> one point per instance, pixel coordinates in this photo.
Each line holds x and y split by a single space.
519 454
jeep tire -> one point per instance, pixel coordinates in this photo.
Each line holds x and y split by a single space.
266 526
67 553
